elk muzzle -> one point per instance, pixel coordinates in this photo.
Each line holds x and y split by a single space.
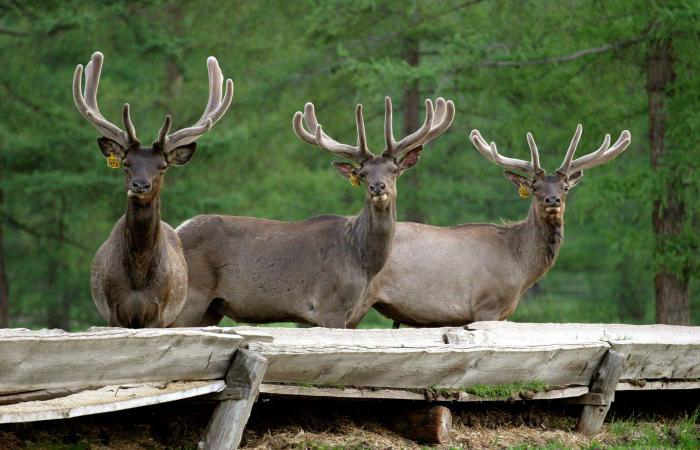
139 186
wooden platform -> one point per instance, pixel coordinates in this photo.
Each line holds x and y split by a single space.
51 374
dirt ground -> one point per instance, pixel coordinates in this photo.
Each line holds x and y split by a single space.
650 420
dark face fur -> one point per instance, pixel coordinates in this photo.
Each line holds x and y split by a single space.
550 191
144 167
379 175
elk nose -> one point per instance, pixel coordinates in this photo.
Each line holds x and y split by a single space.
140 185
377 188
552 201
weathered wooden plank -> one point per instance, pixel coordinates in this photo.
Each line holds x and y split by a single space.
419 358
225 429
653 351
604 381
404 394
54 359
106 399
657 385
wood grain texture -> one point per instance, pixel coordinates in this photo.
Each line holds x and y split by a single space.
653 351
419 358
106 399
54 359
403 394
604 382
225 429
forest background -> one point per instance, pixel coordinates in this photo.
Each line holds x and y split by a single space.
511 66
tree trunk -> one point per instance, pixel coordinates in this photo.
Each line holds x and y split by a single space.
411 122
4 287
669 213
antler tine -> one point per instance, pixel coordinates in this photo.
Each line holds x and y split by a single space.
87 102
566 164
316 135
388 125
490 152
437 121
361 135
414 139
604 153
215 109
444 115
534 154
129 125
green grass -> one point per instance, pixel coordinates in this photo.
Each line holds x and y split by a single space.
496 391
681 434
505 390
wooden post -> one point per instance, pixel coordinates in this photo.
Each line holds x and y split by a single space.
225 428
604 381
425 425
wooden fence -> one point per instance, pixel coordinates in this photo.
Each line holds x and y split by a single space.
52 374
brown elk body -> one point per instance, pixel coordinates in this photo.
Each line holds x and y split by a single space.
449 276
317 270
139 274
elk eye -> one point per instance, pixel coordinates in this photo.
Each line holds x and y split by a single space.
395 171
566 188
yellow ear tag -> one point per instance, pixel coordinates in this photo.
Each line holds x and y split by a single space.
112 161
354 180
523 191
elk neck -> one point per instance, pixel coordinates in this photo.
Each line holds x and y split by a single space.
538 243
373 235
142 233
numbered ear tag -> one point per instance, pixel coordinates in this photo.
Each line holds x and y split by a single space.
354 180
112 161
523 191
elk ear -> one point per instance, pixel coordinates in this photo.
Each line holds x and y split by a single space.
518 180
180 156
574 179
110 147
347 170
411 158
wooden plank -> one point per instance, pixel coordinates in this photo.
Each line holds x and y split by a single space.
653 351
106 399
657 385
419 358
403 394
54 359
225 429
604 382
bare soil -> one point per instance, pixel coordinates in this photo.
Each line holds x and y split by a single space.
322 424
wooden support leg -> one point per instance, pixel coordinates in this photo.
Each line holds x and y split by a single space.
604 381
225 428
429 425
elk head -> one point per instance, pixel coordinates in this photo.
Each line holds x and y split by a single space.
145 166
377 173
550 191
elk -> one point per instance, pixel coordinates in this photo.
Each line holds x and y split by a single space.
139 274
317 270
451 276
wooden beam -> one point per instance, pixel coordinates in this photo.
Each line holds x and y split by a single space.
225 429
653 351
604 382
106 399
656 385
404 394
55 359
419 358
